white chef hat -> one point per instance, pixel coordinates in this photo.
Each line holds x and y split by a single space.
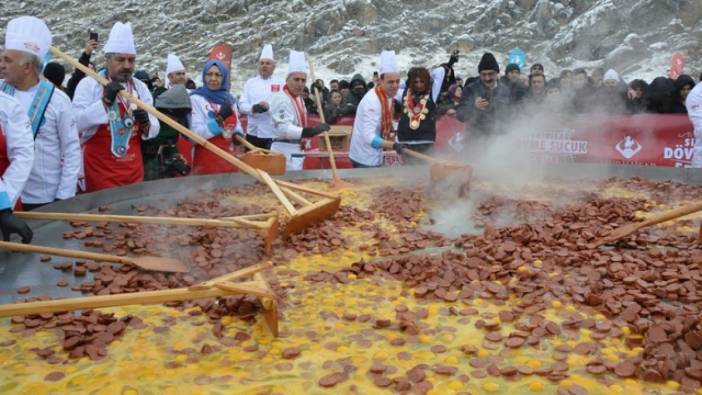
173 64
28 34
267 52
121 39
611 75
297 63
388 62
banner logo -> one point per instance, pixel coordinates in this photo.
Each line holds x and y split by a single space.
628 147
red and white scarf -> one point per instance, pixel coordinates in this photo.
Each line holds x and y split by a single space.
386 131
299 105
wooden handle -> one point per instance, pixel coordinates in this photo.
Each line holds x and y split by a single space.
232 222
305 189
163 118
672 214
252 147
320 109
278 192
420 156
94 302
93 256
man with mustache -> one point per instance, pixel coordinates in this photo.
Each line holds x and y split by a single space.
289 114
485 101
108 125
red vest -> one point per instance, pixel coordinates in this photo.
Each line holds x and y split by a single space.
4 160
5 163
206 162
102 169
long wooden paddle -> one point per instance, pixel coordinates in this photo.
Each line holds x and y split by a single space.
265 224
629 229
153 263
337 182
304 218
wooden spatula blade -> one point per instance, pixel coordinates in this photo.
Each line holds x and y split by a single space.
160 264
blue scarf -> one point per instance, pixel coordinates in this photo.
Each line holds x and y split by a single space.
221 95
40 102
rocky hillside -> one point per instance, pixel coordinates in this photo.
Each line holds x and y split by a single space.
636 37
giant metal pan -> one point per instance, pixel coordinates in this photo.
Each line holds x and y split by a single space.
17 270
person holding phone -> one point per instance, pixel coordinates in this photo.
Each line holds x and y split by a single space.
110 127
90 47
485 101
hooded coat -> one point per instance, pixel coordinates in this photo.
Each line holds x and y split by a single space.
351 100
678 102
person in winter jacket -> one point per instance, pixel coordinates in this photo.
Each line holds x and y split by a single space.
610 98
357 89
486 101
635 97
683 86
332 109
659 96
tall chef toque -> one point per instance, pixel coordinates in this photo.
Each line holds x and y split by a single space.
121 39
173 64
28 34
297 63
267 52
388 62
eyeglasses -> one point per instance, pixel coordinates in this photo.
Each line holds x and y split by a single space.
537 68
213 75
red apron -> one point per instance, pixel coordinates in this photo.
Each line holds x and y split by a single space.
5 163
104 170
206 162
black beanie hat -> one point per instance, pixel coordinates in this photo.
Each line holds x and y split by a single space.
512 67
55 73
488 62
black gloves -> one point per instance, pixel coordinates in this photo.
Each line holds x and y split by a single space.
141 116
110 92
225 111
9 224
311 132
398 148
258 109
237 132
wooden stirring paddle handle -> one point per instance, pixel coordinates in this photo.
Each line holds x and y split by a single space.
78 254
672 214
420 156
233 222
327 141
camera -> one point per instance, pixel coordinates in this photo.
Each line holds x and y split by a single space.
173 165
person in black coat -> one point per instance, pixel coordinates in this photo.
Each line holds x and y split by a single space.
417 126
683 86
485 102
659 96
636 97
90 46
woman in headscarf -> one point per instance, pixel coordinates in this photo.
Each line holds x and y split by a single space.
215 117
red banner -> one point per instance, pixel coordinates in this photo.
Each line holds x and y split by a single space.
644 139
677 66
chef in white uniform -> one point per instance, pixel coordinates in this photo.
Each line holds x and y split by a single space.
256 97
373 129
16 158
57 156
175 71
290 116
